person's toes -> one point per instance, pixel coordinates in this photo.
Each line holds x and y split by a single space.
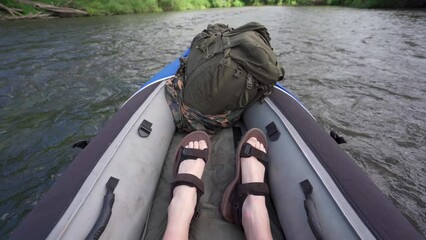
252 169
202 145
191 166
256 144
262 148
252 141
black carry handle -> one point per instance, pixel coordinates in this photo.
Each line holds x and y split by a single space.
106 211
311 210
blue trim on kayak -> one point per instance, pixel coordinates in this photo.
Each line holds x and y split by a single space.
288 91
167 71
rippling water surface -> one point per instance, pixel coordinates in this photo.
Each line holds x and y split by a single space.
360 72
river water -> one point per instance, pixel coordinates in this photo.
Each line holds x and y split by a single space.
360 72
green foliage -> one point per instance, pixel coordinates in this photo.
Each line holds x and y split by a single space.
104 7
367 3
334 2
378 3
237 3
248 2
145 6
172 5
200 4
27 9
116 7
169 5
304 2
221 3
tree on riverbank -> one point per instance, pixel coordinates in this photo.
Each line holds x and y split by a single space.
15 9
362 3
110 7
24 9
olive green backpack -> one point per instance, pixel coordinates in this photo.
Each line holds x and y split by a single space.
226 71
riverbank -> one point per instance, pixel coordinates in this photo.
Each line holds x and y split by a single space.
24 9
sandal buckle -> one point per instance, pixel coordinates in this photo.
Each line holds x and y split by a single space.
246 150
235 205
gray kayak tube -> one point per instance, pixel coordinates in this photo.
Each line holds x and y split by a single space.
71 207
317 190
366 209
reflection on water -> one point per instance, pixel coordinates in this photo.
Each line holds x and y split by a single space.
360 72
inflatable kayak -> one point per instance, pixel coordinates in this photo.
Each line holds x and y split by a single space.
118 186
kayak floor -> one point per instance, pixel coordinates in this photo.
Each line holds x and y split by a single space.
218 173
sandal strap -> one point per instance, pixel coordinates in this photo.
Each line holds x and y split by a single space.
249 151
193 154
254 188
189 180
192 181
242 191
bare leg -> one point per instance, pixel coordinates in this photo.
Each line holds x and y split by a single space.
182 206
255 217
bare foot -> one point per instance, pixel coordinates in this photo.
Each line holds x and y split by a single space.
251 169
182 206
255 217
194 167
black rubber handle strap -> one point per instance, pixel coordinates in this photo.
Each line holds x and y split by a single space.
106 210
311 210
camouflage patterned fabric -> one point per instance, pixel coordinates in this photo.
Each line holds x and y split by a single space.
188 119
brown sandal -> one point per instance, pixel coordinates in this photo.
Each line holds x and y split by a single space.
190 154
236 192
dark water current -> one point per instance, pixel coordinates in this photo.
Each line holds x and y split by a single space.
360 72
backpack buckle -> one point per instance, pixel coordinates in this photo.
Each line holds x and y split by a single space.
249 82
